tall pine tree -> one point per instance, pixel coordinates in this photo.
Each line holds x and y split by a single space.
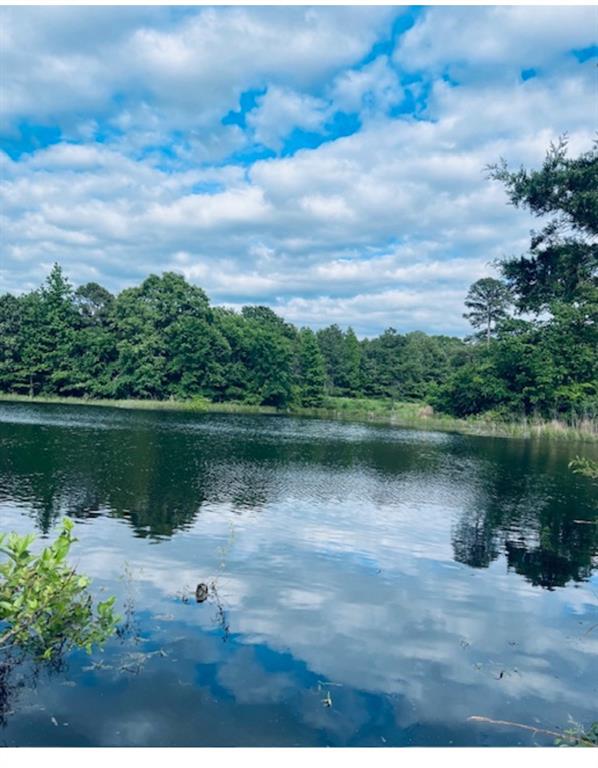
312 370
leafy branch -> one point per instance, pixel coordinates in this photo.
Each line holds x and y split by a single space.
45 605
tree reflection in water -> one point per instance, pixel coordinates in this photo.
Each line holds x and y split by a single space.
159 471
543 536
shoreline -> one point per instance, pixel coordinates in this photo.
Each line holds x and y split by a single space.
406 415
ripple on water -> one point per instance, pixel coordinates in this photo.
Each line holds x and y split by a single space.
399 572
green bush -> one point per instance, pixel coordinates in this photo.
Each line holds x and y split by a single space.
45 605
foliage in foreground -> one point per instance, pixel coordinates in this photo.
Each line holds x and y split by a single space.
577 736
45 605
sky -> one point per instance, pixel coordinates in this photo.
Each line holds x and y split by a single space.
328 162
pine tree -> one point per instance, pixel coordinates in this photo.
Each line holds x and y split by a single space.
350 373
562 261
312 370
488 300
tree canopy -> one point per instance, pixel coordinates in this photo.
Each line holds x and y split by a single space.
548 364
487 301
562 262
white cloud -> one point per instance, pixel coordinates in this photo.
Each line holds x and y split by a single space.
437 308
60 64
375 87
197 212
495 38
280 110
387 226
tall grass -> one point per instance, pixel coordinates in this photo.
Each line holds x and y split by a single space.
422 416
416 415
196 405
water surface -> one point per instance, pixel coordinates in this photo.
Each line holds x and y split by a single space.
410 579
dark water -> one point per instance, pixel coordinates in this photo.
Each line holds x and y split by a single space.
411 579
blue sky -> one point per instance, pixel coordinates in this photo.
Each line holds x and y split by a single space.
328 162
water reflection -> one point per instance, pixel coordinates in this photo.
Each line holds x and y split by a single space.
410 577
158 471
531 510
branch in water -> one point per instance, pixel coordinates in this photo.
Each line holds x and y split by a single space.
532 729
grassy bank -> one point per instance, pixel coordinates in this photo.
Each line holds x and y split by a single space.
422 416
400 414
197 405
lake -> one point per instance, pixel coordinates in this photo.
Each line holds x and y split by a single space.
368 585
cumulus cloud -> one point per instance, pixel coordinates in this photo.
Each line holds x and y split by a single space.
495 38
281 110
384 222
374 87
195 64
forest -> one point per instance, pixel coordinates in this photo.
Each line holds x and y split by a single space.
532 350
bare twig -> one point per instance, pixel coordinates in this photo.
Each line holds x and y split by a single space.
587 632
532 729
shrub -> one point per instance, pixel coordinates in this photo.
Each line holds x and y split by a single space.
45 605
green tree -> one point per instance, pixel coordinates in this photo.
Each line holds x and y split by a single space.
424 363
546 366
168 344
563 256
10 341
59 333
94 303
312 370
381 363
32 369
331 342
48 326
488 300
349 375
260 366
473 388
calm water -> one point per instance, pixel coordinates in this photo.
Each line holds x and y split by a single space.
412 579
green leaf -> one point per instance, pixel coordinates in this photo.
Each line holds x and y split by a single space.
44 604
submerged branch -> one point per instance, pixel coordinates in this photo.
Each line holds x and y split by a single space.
534 729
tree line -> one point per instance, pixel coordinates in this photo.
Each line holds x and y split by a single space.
533 350
163 339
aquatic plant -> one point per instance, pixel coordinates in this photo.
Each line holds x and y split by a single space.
576 736
45 605
584 466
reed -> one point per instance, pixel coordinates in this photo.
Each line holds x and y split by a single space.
414 415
